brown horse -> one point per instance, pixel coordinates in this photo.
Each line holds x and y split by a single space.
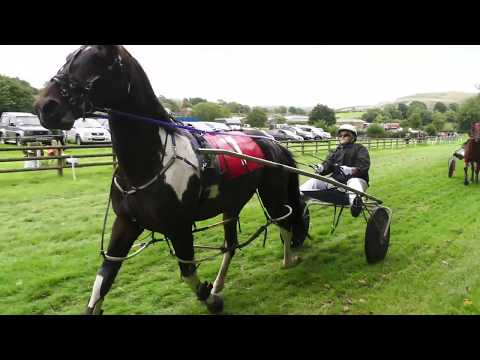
472 153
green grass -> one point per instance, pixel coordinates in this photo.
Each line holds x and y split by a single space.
51 227
349 115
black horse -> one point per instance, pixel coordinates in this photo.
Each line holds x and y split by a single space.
159 183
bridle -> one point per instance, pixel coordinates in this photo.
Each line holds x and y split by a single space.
77 93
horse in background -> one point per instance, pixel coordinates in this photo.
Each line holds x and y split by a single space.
472 154
159 184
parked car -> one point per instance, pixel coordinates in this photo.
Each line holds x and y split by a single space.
284 135
20 128
208 126
88 131
318 133
296 130
104 123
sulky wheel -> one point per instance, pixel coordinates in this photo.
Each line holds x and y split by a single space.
376 242
451 167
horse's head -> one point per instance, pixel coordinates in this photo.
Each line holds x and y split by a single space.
475 132
92 77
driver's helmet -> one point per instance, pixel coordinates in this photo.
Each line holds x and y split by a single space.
348 127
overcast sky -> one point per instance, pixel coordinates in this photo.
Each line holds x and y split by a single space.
297 75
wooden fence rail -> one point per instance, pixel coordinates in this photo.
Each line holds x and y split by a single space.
60 157
312 146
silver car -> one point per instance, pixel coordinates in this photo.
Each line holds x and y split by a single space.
88 131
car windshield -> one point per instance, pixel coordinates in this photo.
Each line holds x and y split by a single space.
87 123
27 120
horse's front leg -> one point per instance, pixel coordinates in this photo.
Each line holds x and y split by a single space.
477 170
231 241
124 233
472 165
465 171
182 243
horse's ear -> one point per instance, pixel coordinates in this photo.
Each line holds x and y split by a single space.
107 51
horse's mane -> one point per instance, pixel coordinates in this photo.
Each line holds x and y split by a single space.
135 67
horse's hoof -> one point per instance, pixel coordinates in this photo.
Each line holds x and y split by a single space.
292 263
214 304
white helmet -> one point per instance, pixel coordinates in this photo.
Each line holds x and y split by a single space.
348 127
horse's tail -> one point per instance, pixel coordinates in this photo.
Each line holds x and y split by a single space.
278 153
300 220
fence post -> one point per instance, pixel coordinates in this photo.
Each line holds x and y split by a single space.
60 162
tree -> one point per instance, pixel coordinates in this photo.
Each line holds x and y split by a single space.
169 103
16 95
195 101
439 120
427 117
371 114
392 113
431 130
208 111
322 113
440 107
469 113
403 108
380 119
257 117
415 120
279 119
294 110
453 107
280 110
416 106
451 116
375 131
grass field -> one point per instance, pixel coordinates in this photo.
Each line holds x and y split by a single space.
51 227
349 115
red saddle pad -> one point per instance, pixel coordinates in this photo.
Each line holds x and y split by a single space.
230 166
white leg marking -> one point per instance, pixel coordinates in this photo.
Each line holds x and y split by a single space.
222 273
192 282
289 259
96 291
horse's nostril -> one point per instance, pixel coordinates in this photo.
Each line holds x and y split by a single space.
49 107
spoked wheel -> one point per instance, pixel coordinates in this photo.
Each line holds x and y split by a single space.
451 167
301 232
377 236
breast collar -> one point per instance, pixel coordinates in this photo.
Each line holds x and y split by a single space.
161 173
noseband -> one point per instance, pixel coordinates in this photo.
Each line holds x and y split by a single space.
76 92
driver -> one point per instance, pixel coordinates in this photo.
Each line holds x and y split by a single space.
349 164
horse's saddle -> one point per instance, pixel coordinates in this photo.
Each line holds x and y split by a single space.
214 169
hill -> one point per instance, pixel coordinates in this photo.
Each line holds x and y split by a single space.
431 98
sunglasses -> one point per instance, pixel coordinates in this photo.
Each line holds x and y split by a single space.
344 135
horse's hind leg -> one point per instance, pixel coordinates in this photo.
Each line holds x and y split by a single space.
273 192
230 242
124 233
472 165
183 245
